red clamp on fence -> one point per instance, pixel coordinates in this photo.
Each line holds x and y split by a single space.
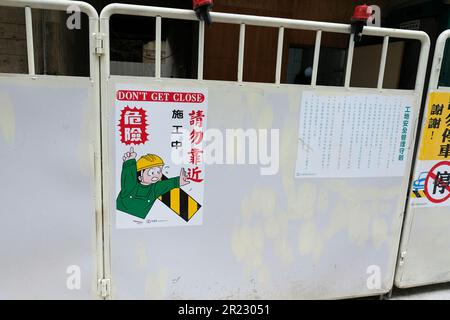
202 8
359 20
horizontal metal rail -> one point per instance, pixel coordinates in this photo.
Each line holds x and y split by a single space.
438 59
57 5
281 24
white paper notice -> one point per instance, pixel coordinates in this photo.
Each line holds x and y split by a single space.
354 135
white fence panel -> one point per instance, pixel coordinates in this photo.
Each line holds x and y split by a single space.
424 257
273 236
50 169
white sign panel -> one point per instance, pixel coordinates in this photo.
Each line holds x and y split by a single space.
430 186
353 135
160 173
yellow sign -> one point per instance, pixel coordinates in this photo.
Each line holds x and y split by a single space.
435 143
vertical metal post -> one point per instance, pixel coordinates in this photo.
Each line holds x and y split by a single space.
348 71
437 60
279 55
201 49
158 48
30 46
96 44
422 69
383 62
316 58
104 223
241 53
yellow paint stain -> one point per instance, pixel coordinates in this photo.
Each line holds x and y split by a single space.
265 117
248 246
307 238
322 200
272 227
302 201
260 201
263 275
337 221
141 255
265 200
260 110
284 250
379 232
347 192
359 225
344 208
236 244
246 208
361 219
288 154
7 119
311 241
156 285
253 103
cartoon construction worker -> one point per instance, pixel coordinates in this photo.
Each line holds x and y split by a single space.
141 183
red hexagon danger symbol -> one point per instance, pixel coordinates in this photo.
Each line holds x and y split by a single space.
133 126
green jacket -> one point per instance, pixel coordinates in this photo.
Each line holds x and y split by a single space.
137 199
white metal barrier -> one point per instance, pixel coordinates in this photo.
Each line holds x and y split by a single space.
424 257
51 231
259 236
266 242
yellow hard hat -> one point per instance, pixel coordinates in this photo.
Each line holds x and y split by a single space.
149 161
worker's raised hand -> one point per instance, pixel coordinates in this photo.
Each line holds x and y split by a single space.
129 155
184 180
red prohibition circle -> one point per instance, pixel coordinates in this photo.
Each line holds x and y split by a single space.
432 175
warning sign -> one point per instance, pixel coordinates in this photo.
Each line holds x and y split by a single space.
435 144
430 184
160 172
437 183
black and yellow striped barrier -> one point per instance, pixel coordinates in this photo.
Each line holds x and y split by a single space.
180 202
418 194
